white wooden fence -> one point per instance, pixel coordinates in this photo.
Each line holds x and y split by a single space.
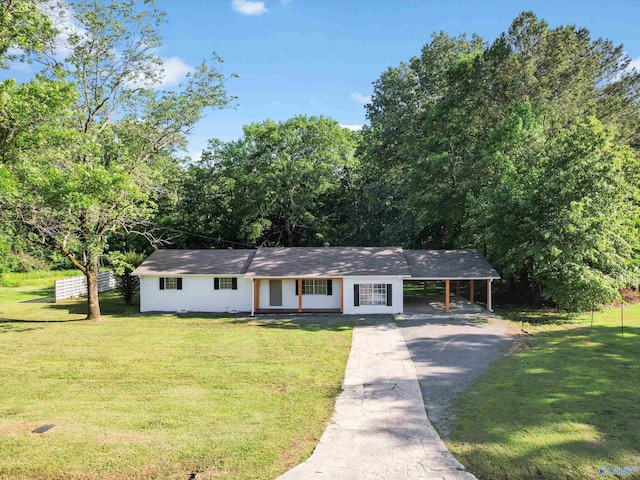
77 286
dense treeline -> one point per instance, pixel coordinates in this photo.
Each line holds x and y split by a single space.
526 148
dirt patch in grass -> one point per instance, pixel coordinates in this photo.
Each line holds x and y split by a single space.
630 296
290 457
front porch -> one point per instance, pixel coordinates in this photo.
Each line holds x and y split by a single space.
298 295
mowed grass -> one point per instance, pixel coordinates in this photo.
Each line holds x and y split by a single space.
561 407
162 396
31 285
43 278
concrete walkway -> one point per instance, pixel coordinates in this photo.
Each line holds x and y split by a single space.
379 430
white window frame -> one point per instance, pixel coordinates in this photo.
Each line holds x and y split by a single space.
372 294
313 286
225 283
171 283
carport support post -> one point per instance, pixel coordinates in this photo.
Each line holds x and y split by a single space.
424 288
458 287
447 285
489 294
299 295
471 292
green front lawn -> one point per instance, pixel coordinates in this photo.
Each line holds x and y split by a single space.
561 407
165 396
16 287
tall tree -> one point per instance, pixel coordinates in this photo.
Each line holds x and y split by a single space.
29 107
102 165
497 147
274 186
404 98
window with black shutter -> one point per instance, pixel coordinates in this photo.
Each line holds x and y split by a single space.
225 283
171 283
375 294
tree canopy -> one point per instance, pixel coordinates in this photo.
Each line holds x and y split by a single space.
96 162
526 147
280 184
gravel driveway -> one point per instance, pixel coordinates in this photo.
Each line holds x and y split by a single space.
449 354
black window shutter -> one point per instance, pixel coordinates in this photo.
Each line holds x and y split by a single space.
162 284
356 295
389 295
179 283
234 283
216 283
297 287
329 287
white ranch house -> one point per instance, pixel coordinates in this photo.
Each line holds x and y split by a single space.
350 280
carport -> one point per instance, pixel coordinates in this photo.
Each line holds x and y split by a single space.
451 265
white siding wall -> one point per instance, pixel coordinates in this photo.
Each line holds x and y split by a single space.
197 295
290 299
396 306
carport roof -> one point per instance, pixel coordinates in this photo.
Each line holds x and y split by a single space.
449 264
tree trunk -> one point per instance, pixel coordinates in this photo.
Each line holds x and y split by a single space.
92 294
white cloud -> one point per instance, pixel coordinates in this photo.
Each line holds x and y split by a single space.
248 7
360 98
634 64
170 73
355 128
63 19
174 70
195 155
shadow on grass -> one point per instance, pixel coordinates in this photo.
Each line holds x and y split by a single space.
112 305
45 310
560 409
537 316
13 326
310 322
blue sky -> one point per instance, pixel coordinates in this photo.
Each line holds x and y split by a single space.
320 57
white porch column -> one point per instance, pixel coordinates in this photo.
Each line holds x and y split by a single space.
489 295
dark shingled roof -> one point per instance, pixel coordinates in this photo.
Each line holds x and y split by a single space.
321 262
452 264
328 262
196 262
